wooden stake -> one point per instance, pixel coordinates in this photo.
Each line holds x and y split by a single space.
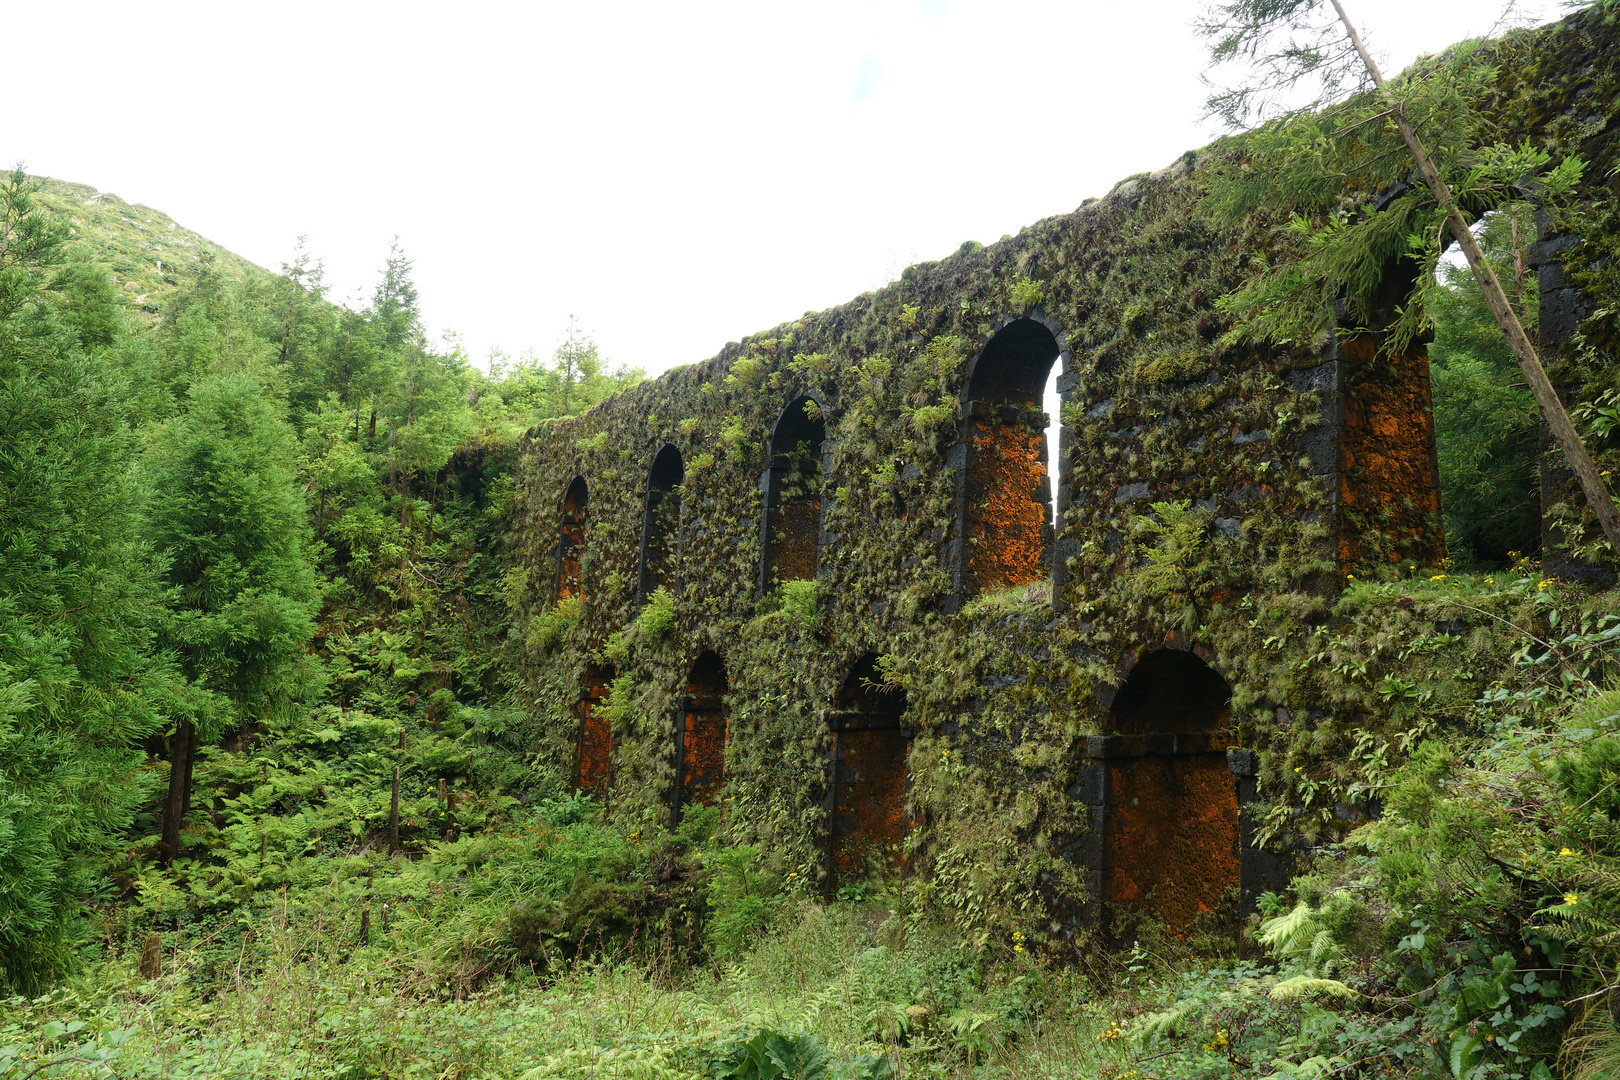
151 963
365 926
393 816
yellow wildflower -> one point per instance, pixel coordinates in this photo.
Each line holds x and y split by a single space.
1438 577
1572 898
1565 851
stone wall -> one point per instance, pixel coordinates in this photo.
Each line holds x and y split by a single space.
1210 500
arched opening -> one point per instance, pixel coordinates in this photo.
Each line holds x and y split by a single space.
790 528
700 734
1171 822
571 540
594 753
1004 524
660 521
866 789
1171 691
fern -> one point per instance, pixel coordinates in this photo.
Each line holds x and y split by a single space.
1302 985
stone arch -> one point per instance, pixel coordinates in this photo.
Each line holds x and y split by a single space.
1170 691
1171 831
571 539
1003 531
867 775
700 734
661 521
790 495
593 754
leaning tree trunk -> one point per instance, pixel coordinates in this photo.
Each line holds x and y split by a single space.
1552 409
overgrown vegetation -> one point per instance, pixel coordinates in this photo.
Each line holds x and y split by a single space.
1484 418
259 525
287 740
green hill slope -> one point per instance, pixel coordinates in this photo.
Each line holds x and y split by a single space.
148 252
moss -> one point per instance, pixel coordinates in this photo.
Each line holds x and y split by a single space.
1001 695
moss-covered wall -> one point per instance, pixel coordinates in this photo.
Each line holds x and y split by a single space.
1287 469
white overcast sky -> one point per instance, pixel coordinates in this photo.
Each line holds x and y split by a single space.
677 175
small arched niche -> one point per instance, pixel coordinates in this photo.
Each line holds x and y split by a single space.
1171 691
790 519
700 734
660 521
594 752
1004 521
571 539
866 789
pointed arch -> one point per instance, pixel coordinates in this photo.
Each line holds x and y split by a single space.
571 539
791 493
867 782
700 734
660 521
1003 533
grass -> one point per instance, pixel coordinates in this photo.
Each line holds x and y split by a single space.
855 977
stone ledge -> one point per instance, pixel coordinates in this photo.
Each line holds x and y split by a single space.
1161 745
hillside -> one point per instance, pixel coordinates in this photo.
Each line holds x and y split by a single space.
151 256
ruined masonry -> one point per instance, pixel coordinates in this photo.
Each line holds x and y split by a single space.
814 581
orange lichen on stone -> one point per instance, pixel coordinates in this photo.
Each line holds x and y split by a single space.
1388 472
703 736
1007 521
1171 835
794 546
868 823
595 736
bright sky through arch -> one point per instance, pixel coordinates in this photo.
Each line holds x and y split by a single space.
677 175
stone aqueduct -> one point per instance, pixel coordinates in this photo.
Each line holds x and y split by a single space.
1052 722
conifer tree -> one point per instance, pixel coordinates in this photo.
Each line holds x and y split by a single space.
1426 119
227 520
78 678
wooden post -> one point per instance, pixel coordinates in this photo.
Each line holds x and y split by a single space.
393 815
365 926
385 917
151 964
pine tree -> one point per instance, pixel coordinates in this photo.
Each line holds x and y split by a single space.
78 678
225 516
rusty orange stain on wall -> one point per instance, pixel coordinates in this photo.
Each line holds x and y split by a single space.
1172 834
868 822
703 735
1387 463
1007 521
595 734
